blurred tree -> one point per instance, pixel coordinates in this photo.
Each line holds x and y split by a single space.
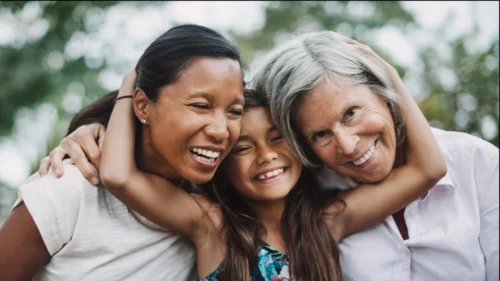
43 71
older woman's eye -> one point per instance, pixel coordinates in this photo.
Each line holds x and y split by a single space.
351 112
322 138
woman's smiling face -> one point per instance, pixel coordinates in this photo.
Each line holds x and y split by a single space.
261 166
349 128
196 120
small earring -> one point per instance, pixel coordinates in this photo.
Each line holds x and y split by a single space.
144 121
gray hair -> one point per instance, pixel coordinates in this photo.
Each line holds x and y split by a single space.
295 67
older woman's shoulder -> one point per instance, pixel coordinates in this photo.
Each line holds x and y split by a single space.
455 142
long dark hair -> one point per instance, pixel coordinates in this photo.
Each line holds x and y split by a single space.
161 64
312 251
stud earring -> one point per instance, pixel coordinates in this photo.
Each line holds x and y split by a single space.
144 121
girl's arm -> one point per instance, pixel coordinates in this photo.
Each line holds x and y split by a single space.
152 196
424 167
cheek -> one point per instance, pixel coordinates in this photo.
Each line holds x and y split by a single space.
234 129
237 170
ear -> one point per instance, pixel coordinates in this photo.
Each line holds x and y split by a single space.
142 104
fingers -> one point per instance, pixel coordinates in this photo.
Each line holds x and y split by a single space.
44 166
76 151
100 142
367 50
55 158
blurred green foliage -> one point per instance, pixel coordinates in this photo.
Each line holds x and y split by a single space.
36 70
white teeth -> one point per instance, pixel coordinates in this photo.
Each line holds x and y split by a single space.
365 157
270 174
206 153
203 159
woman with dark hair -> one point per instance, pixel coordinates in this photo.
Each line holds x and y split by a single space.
65 229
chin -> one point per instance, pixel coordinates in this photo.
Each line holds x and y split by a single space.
199 178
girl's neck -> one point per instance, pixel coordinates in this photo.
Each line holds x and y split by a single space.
269 213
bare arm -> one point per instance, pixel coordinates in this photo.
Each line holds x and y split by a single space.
23 252
424 167
152 196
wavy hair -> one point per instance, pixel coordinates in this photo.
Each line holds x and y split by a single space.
296 67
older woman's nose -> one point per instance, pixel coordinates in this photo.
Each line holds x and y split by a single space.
346 143
218 129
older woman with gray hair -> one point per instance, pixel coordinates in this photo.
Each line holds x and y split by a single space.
325 92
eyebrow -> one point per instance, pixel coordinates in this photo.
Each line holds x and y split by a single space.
210 98
248 138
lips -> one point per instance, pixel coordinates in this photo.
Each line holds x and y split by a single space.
205 155
270 174
362 160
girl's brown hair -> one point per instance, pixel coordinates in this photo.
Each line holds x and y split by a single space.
312 251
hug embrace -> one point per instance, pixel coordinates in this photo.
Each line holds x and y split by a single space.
321 168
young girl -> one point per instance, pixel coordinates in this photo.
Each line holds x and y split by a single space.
268 221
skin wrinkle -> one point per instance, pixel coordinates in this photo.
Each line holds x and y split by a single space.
346 138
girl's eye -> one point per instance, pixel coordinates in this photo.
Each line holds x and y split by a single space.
350 112
241 149
277 138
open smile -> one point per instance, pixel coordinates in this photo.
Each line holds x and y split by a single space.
367 158
271 175
206 157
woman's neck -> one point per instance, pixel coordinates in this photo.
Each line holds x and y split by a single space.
149 161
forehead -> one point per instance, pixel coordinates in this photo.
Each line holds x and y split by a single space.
255 121
215 76
328 101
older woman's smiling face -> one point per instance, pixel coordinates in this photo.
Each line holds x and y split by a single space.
349 128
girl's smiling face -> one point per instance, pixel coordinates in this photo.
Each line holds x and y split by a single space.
261 167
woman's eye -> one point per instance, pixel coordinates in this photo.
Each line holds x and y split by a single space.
319 135
200 105
321 138
237 112
350 112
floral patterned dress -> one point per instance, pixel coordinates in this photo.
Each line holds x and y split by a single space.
272 265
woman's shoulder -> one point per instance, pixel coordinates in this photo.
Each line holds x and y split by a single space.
459 142
54 204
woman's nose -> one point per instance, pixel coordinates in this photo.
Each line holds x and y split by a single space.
218 128
345 142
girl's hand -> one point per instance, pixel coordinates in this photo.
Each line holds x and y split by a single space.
128 83
84 146
367 50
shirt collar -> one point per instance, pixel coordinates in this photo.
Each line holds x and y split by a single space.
446 181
